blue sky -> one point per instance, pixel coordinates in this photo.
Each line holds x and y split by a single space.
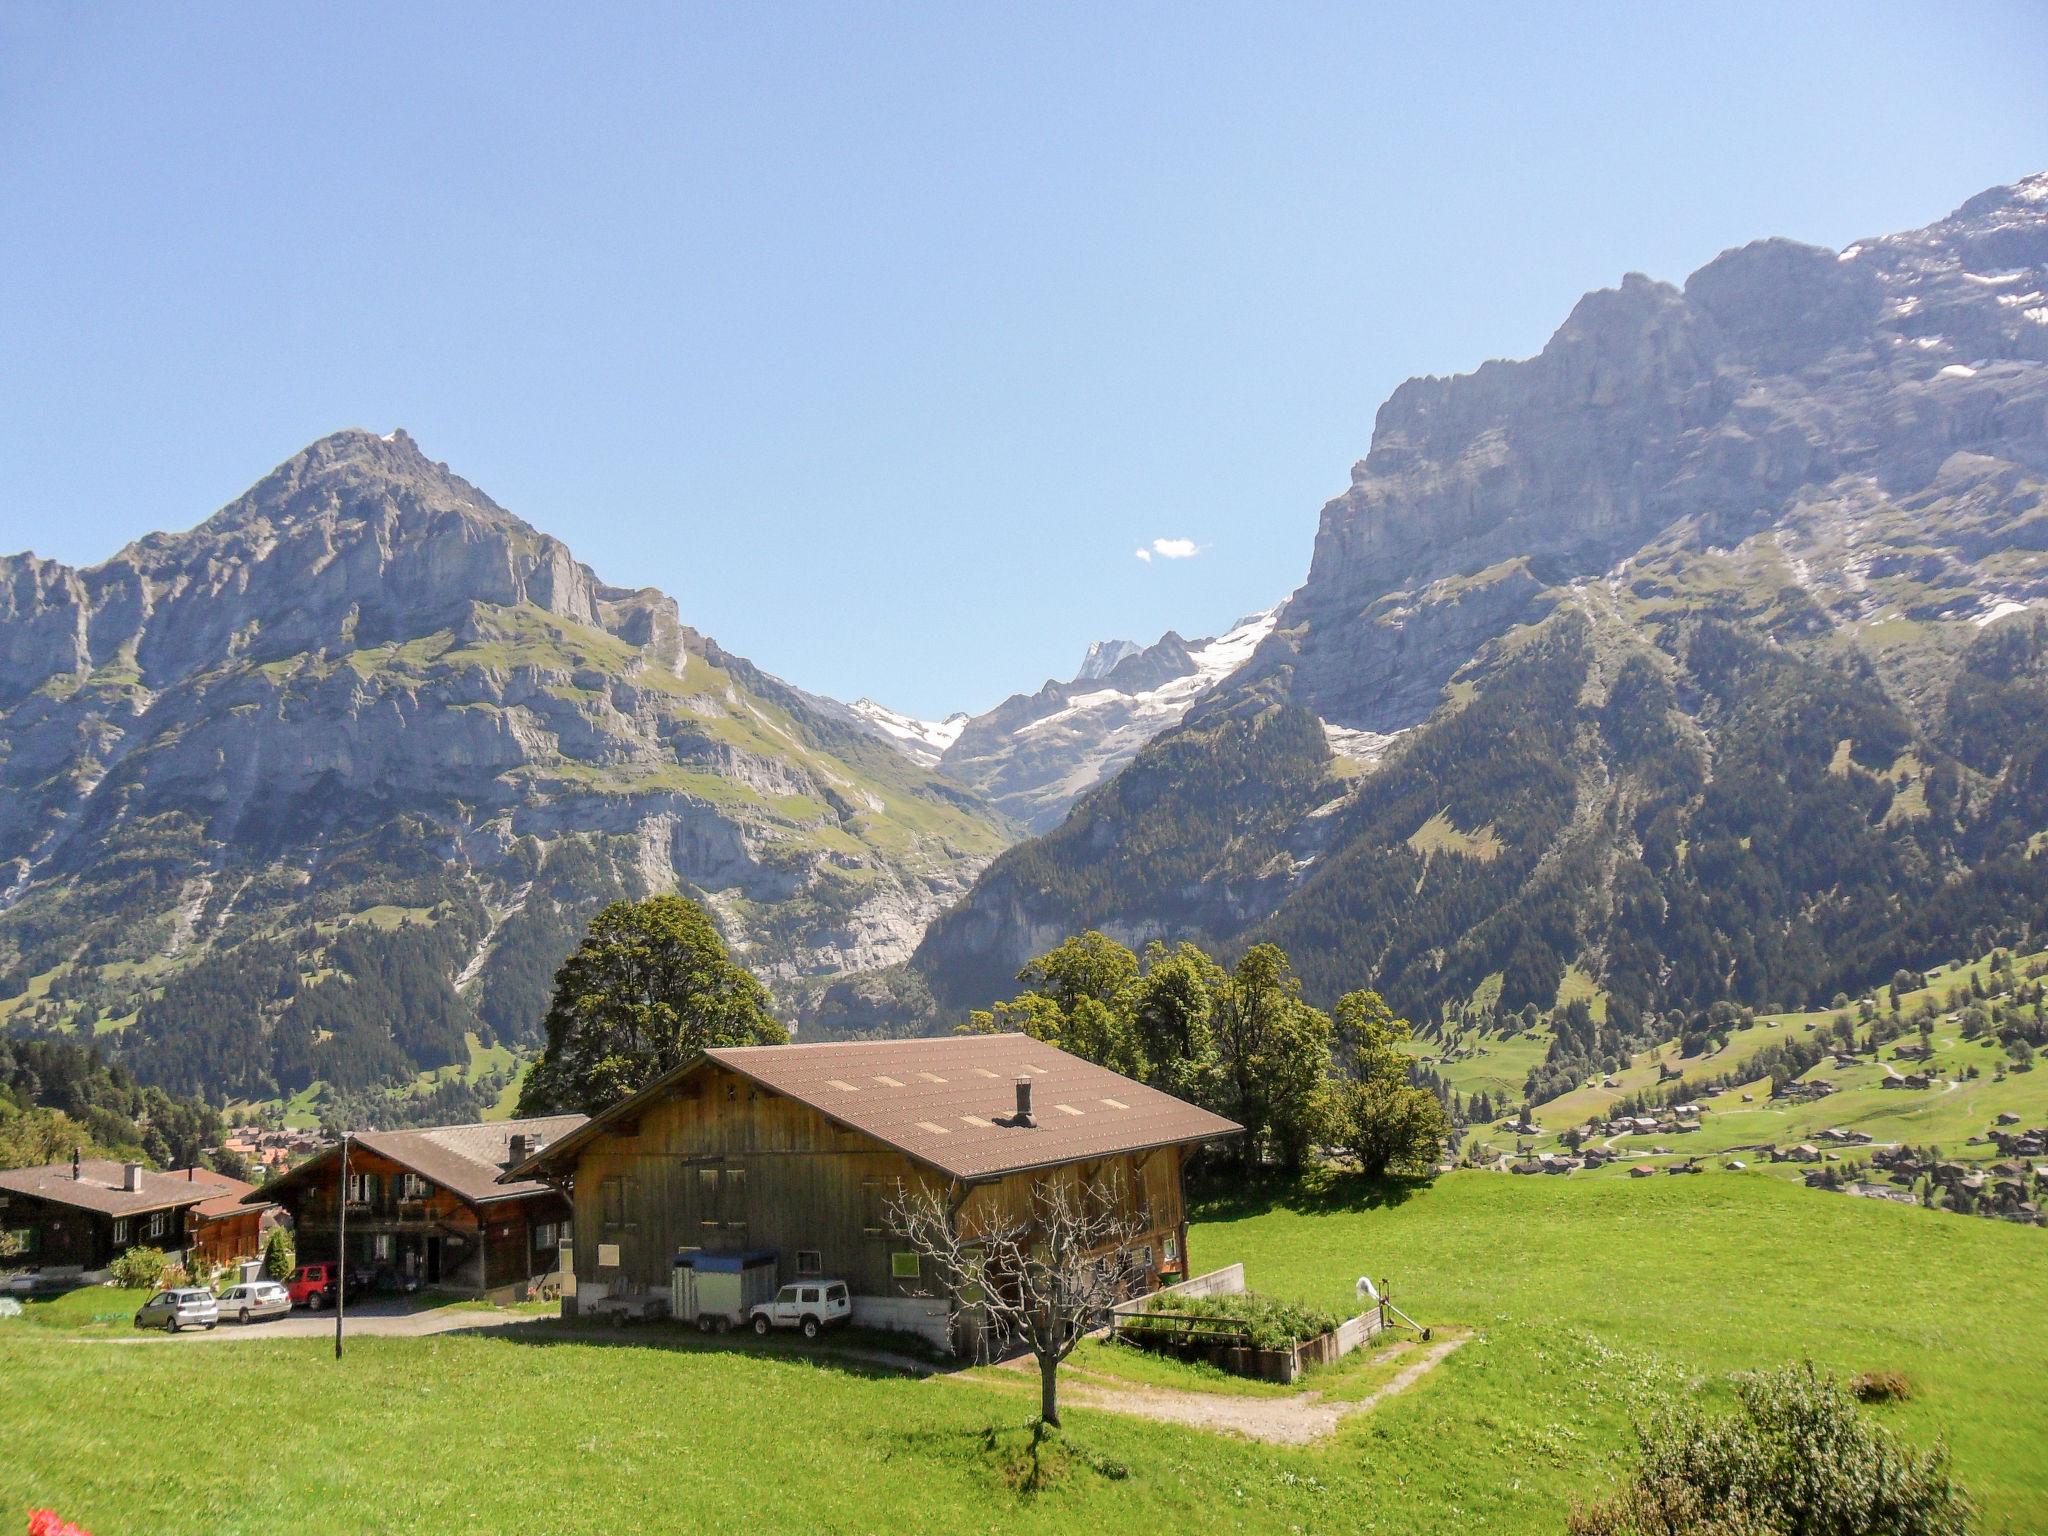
884 336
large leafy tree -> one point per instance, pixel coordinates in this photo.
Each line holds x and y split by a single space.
1273 1054
648 988
1371 1111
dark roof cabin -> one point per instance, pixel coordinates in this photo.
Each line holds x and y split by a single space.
85 1213
426 1207
794 1152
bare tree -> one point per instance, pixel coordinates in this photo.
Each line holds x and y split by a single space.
1041 1281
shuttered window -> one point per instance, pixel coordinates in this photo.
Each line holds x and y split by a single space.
613 1194
707 1197
732 1204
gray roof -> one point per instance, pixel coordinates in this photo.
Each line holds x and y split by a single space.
948 1101
99 1187
466 1160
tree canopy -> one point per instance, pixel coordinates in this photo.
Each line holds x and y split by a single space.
1240 1041
649 987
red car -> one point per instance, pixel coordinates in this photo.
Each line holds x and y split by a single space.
312 1285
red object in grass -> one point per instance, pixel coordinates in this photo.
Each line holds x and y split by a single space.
45 1522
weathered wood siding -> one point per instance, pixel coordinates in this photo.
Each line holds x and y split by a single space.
724 1165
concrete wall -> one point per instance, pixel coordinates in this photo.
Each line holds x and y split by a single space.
929 1317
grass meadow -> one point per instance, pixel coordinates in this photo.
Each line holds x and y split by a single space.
1589 1301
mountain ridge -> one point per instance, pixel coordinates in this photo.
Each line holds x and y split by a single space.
363 687
1567 602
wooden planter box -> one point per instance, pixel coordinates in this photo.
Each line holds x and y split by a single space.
1216 1341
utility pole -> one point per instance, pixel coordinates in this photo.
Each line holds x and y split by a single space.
341 1252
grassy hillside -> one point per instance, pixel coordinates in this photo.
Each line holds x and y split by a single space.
1589 1300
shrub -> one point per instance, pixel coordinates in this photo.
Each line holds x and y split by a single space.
280 1255
200 1270
1796 1457
1881 1387
139 1269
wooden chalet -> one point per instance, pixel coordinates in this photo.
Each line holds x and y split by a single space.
86 1213
426 1206
799 1150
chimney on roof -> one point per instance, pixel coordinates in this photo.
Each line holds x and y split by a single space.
74 1165
524 1145
131 1177
1024 1102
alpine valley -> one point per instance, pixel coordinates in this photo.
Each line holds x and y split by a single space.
1696 658
1702 656
324 790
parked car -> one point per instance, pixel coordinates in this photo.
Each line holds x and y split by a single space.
809 1305
312 1285
176 1310
254 1300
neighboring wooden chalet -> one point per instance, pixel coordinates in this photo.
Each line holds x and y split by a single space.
426 1206
800 1149
84 1214
227 1228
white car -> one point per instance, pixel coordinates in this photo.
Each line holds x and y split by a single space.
809 1305
254 1300
185 1307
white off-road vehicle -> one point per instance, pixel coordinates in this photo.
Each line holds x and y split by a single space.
809 1305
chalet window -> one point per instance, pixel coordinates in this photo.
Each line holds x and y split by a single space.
733 1200
412 1187
1170 1250
156 1225
21 1240
544 1235
121 1229
612 1192
362 1189
380 1249
707 1197
809 1262
905 1265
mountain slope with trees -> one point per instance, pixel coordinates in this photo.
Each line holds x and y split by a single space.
326 787
1704 639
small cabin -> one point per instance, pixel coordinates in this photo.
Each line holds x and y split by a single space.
82 1215
799 1152
426 1207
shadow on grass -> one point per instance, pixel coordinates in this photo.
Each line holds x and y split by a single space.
1027 1459
1218 1196
854 1353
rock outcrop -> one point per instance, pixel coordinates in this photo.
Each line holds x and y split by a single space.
365 678
1764 541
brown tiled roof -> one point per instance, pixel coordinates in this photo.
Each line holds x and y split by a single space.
232 1199
463 1159
98 1187
948 1102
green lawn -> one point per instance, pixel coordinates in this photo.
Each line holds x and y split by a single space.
1588 1299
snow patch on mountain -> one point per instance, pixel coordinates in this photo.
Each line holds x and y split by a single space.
924 742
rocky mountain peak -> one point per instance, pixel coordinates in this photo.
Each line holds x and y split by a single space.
1103 655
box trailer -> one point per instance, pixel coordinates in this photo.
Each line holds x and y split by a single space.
718 1290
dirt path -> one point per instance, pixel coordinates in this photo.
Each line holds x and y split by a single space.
1298 1420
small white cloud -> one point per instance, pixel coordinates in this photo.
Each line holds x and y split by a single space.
1144 555
1170 549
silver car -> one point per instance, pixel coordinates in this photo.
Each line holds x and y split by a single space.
176 1310
254 1300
